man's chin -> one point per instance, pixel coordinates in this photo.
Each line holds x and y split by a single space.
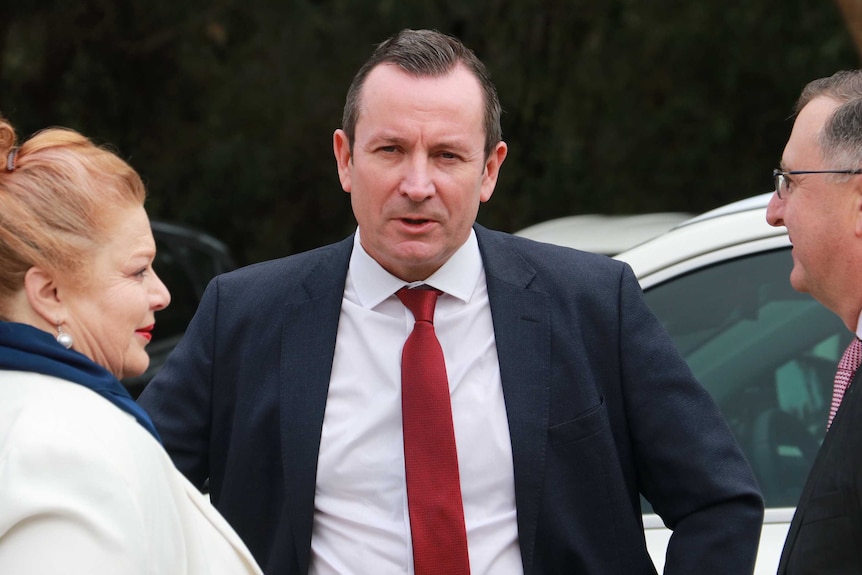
797 281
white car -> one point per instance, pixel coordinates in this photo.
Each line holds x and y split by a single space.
767 354
603 234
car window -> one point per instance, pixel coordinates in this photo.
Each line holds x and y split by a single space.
172 265
767 355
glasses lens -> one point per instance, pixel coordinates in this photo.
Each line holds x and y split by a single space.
780 184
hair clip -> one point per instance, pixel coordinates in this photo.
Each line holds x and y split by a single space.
10 159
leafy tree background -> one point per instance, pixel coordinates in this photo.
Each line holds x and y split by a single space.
227 107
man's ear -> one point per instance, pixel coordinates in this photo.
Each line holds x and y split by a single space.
341 149
856 182
43 295
492 170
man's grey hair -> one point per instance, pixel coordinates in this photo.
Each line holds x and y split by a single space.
840 138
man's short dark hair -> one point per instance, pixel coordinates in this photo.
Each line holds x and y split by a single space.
426 53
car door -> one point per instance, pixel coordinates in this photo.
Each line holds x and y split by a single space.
767 355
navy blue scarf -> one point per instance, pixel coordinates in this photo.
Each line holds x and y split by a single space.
25 348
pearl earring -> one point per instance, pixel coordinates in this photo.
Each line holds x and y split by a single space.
64 338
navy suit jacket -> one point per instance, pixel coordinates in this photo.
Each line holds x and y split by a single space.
825 536
601 408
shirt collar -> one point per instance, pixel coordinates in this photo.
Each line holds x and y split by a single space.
457 277
859 326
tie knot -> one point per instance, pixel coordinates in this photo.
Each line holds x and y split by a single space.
852 356
420 301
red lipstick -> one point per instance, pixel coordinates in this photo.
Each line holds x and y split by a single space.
146 331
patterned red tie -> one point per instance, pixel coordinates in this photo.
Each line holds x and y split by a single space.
846 369
430 458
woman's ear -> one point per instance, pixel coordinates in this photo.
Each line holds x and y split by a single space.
43 296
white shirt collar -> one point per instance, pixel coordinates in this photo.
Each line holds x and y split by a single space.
457 277
859 326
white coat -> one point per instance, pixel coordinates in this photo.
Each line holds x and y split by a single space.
86 490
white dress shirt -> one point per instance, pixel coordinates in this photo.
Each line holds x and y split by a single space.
361 520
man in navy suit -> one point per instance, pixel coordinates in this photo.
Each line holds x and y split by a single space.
568 399
818 198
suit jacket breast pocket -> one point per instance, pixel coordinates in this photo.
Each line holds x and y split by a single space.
584 425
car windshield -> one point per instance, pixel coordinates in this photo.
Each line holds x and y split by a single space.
767 355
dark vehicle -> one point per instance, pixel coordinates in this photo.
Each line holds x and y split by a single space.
186 260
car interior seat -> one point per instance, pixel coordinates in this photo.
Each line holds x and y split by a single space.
782 452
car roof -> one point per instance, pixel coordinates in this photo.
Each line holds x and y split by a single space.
725 228
202 241
603 233
757 202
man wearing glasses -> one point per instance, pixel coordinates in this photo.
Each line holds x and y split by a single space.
818 198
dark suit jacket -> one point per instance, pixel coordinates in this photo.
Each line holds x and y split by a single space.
825 537
601 407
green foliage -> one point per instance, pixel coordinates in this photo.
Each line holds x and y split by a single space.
227 107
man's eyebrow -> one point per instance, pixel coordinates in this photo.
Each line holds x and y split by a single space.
455 144
386 137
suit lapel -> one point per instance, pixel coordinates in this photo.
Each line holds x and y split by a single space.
310 324
817 469
521 319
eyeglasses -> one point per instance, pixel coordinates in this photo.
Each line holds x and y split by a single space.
782 183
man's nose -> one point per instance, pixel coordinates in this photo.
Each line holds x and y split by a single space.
417 183
775 211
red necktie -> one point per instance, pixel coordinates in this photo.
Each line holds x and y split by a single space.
846 369
430 458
